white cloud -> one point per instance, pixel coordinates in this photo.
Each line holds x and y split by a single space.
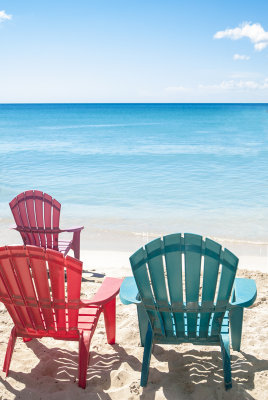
237 85
254 32
260 46
240 57
4 16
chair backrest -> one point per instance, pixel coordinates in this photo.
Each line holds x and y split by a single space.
37 216
185 284
33 289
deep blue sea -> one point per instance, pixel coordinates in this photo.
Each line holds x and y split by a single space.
143 167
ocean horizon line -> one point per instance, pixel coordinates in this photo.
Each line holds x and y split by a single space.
134 103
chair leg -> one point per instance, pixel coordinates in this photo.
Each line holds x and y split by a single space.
225 350
236 321
76 245
143 322
84 343
10 348
109 311
147 356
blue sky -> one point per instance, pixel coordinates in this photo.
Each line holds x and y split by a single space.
134 51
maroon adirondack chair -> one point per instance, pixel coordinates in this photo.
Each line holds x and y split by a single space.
37 217
42 304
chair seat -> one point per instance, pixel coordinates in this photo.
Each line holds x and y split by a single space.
87 320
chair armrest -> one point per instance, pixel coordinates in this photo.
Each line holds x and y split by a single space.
244 293
34 229
129 291
73 229
108 290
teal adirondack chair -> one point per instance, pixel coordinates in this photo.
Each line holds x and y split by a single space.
185 290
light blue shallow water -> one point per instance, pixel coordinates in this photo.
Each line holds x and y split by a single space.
170 166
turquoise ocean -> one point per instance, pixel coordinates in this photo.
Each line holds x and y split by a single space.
142 169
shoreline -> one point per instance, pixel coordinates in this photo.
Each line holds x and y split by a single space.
116 263
108 249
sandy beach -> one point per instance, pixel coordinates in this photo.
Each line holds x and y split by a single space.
135 120
47 368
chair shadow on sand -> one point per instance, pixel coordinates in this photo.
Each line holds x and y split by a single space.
57 371
194 369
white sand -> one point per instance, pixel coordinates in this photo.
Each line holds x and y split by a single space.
47 369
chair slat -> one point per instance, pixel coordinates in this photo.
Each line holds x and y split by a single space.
173 257
24 217
40 215
74 276
56 273
56 221
211 269
40 276
14 206
138 263
154 252
193 253
29 204
229 267
47 219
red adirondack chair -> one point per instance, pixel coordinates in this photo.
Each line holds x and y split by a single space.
37 216
42 304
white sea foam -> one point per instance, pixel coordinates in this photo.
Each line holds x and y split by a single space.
37 146
125 150
82 126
